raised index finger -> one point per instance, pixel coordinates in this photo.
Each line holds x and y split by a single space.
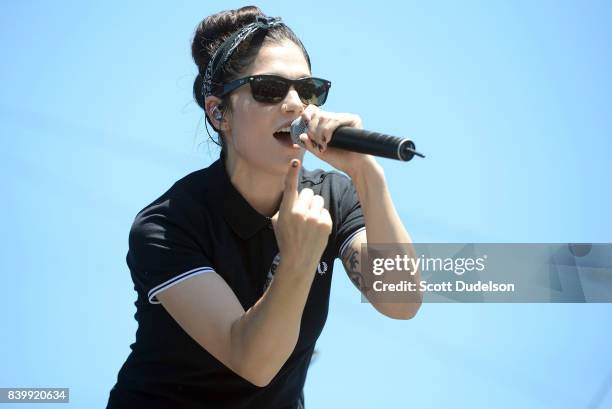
291 183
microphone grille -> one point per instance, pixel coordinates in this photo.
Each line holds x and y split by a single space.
298 127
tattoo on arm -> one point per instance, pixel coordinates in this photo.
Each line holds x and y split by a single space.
351 264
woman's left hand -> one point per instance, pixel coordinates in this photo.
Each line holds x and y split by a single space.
321 126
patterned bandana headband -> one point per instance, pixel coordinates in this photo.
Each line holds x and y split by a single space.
225 51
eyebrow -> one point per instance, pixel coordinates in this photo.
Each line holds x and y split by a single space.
282 75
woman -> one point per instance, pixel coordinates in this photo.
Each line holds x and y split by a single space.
233 264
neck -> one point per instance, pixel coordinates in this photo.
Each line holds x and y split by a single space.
262 190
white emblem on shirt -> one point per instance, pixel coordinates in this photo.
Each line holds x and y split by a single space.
321 269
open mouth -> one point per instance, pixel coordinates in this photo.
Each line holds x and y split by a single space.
285 139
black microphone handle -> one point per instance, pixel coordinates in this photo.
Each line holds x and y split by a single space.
362 141
372 143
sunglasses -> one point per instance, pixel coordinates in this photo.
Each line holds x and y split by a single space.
271 89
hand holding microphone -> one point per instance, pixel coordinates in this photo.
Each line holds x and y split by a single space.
362 141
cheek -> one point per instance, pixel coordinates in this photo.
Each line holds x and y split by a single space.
252 123
251 118
244 141
249 132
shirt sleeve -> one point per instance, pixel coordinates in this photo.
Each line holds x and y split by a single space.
164 248
349 215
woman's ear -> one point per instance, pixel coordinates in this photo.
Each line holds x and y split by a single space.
215 112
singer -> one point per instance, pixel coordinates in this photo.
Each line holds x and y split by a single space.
232 265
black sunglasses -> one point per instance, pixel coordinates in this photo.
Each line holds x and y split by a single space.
272 89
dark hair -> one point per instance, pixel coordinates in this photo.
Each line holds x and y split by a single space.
213 31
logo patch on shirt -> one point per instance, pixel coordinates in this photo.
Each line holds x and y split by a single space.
321 270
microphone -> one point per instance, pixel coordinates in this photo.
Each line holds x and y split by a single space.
362 141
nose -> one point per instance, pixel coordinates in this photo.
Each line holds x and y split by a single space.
292 102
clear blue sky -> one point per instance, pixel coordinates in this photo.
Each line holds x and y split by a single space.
510 100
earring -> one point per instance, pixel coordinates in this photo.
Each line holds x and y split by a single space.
218 115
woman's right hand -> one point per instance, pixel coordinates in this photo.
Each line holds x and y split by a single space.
302 225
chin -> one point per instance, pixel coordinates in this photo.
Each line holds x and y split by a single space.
271 158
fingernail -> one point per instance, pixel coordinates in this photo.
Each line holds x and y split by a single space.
294 163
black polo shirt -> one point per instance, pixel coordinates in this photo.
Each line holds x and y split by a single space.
203 224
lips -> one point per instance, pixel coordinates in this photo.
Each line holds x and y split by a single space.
283 135
284 138
285 127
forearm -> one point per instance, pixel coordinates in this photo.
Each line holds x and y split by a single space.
384 226
266 335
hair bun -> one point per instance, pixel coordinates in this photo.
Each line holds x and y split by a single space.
214 29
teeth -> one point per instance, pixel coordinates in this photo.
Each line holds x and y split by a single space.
285 129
